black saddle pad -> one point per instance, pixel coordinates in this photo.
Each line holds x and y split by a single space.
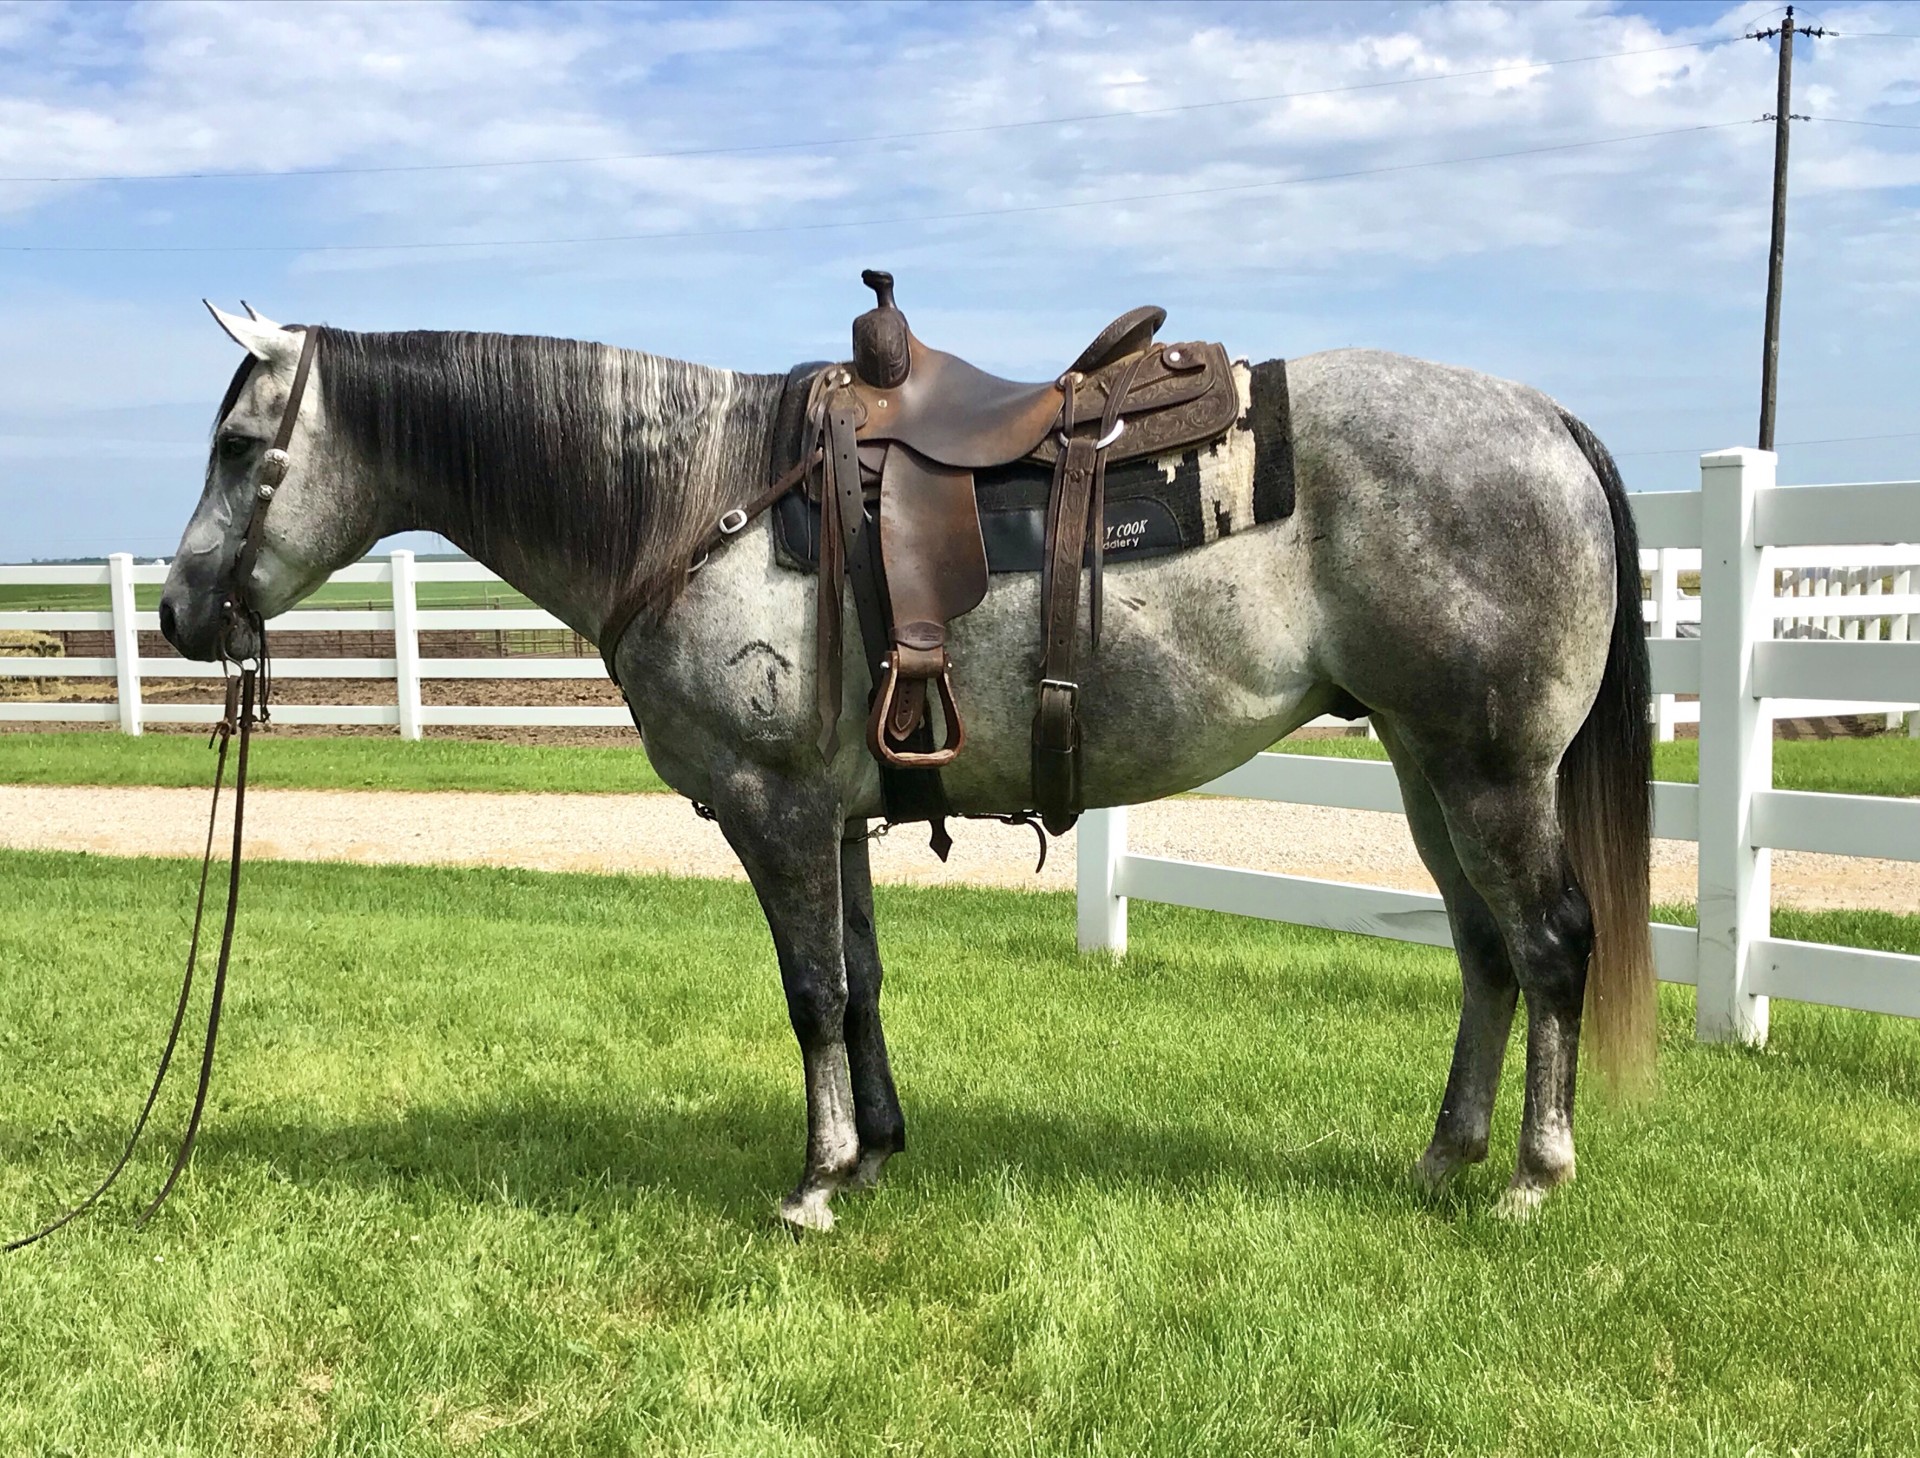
1147 514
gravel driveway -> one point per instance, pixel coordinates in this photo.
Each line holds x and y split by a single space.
660 833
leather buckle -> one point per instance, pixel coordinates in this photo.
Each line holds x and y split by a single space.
914 758
1119 429
1056 724
1063 685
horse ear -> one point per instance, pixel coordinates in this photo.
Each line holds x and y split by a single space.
258 336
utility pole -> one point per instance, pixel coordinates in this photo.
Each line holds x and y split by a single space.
1782 118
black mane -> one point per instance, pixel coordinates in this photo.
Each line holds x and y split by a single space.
613 461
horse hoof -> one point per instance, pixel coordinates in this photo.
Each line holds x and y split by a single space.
1520 1203
871 1169
1440 1165
1433 1173
807 1210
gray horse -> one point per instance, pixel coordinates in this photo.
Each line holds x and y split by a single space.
1461 562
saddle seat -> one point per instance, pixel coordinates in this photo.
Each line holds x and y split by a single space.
902 428
956 413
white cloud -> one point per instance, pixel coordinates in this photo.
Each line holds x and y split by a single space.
1665 236
204 85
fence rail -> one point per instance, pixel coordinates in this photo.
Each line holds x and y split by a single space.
408 669
1855 593
1736 531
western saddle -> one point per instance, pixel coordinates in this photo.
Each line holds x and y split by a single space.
917 423
891 441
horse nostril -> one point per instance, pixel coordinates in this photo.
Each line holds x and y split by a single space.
166 621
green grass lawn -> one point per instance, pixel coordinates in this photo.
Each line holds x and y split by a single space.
1886 766
327 764
492 1158
30 597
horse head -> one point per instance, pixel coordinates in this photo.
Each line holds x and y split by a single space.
237 561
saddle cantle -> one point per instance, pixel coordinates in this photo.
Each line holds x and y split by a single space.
898 432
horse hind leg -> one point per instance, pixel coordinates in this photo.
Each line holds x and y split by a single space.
1505 831
1489 990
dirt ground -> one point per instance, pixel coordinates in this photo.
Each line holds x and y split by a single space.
661 834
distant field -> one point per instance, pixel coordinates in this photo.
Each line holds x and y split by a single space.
353 763
17 597
1885 766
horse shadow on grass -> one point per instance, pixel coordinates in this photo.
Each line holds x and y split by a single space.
732 1158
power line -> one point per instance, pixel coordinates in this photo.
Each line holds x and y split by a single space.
822 226
1849 121
929 133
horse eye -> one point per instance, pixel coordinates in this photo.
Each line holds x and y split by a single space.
233 447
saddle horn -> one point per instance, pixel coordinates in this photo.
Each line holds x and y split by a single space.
880 354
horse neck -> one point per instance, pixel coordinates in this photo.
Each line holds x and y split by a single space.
660 456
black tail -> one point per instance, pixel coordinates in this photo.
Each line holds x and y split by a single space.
1606 811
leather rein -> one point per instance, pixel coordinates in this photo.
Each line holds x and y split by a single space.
246 702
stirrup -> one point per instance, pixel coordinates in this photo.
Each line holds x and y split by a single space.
914 758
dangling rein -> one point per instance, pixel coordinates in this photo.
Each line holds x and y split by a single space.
246 702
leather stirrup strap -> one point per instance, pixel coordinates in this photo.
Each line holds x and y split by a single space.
907 792
1056 722
841 515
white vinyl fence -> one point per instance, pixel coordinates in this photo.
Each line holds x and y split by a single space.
1831 593
1849 646
1738 527
406 619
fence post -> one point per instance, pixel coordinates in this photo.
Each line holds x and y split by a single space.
1736 745
1897 629
1100 842
126 641
406 644
1666 624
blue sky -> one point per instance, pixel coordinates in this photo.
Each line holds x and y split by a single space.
1626 279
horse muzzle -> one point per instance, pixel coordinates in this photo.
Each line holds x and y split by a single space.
201 621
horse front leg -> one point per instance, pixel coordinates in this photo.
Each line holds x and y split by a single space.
787 835
876 1107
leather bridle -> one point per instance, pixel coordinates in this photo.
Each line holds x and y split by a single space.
246 702
274 463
